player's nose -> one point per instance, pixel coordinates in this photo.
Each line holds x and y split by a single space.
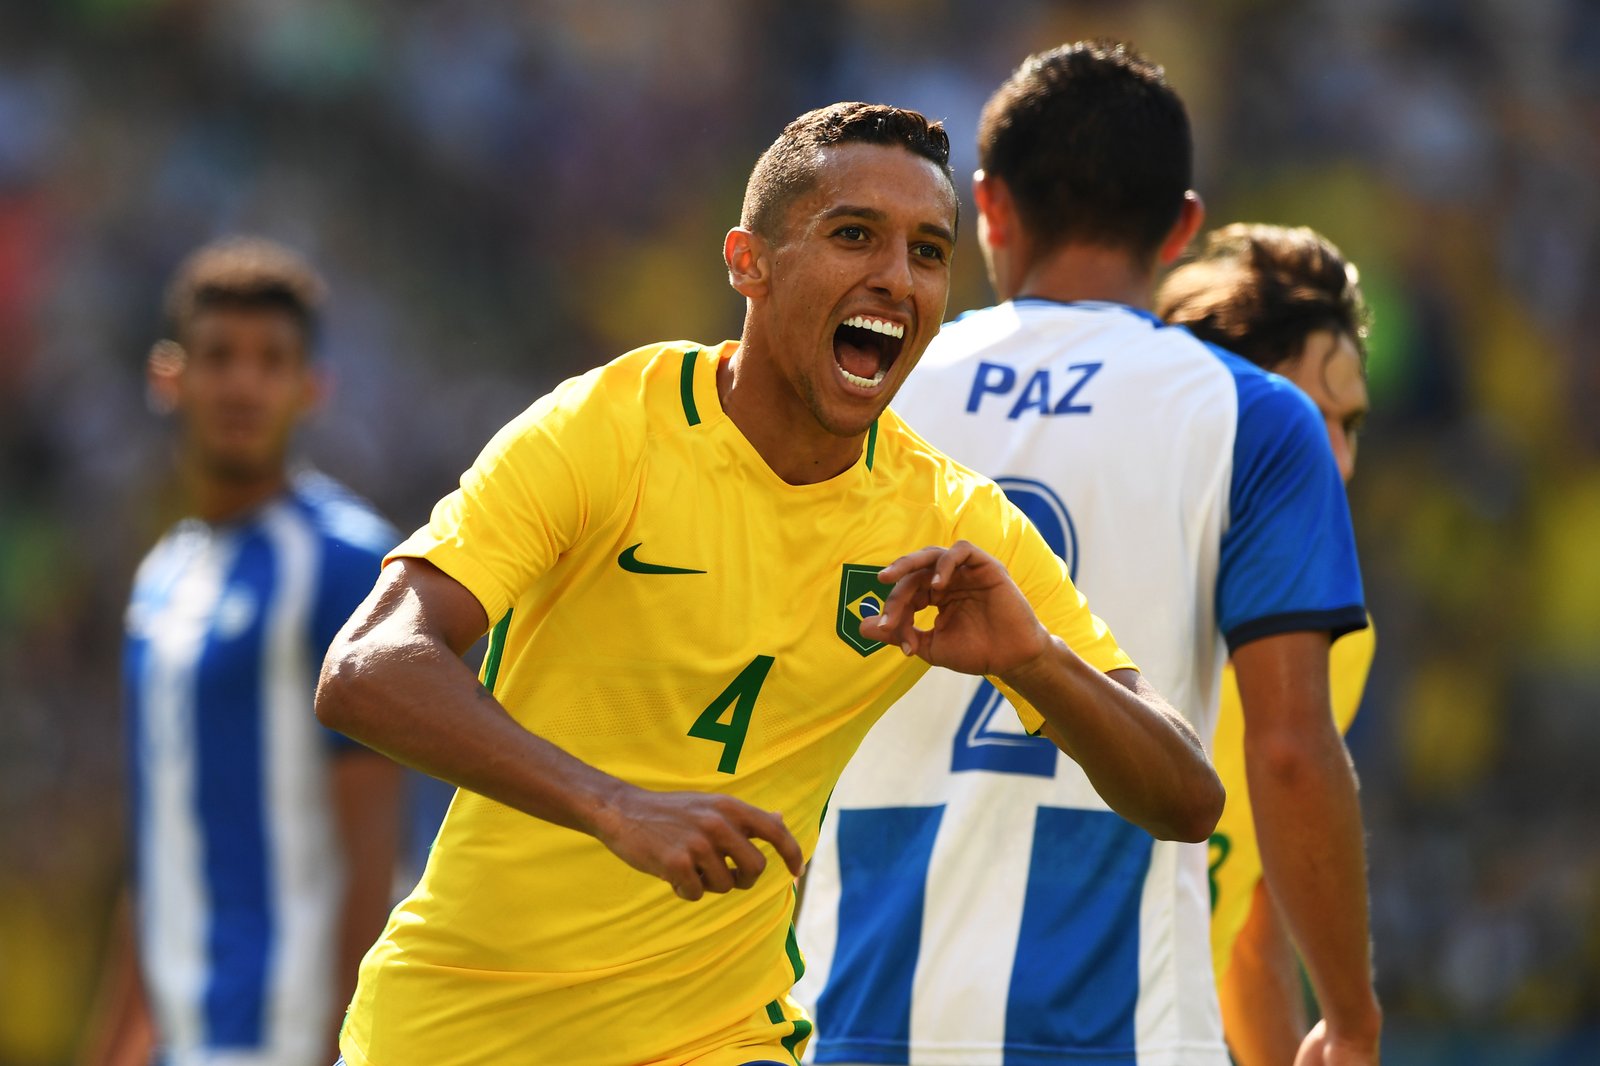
891 274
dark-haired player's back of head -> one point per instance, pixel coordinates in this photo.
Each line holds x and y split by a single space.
1086 144
1093 143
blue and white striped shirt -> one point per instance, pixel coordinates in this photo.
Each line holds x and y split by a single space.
237 870
972 901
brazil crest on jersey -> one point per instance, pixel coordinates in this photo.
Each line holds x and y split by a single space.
973 901
667 609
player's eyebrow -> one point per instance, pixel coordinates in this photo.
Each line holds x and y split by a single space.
872 214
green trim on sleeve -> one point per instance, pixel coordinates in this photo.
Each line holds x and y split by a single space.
497 647
686 384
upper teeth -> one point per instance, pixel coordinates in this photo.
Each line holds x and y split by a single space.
876 325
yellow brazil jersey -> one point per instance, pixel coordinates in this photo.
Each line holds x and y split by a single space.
668 609
1235 859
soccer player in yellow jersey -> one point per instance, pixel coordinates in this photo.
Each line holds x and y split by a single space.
1287 300
707 570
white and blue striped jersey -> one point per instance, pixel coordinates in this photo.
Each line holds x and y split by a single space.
237 873
972 901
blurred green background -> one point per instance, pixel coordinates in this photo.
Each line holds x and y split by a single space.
504 193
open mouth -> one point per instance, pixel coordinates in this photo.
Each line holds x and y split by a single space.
866 347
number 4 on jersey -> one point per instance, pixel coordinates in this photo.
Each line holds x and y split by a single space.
741 694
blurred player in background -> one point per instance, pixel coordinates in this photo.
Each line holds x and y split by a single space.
1286 300
701 567
1195 499
264 844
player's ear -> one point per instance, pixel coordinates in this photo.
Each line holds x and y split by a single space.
316 386
996 213
162 370
749 266
1190 218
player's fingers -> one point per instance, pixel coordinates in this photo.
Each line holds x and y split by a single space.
883 627
714 874
768 826
961 553
914 641
685 880
705 852
904 565
909 595
748 862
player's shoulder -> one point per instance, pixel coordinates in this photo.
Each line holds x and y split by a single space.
1268 403
1145 356
175 544
658 387
920 470
340 517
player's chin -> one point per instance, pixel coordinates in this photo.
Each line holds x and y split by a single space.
865 405
847 414
241 464
850 423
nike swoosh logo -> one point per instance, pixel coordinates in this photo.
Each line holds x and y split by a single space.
632 565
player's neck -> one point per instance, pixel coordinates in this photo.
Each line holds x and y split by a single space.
216 499
787 438
1088 272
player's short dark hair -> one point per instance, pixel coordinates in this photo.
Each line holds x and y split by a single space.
1260 290
788 168
1093 145
249 273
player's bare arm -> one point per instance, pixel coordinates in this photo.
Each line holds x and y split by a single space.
366 794
1142 757
121 1030
1300 774
394 680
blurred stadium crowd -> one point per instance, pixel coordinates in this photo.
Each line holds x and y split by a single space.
504 192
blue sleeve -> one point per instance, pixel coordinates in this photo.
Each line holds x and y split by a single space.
1289 554
349 570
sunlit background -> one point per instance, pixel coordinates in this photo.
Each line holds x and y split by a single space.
502 193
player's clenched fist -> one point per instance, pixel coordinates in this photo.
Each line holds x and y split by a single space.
697 842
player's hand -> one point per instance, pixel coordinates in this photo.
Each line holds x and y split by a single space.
1321 1048
697 842
985 625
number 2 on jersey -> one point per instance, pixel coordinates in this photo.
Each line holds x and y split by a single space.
741 695
979 746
